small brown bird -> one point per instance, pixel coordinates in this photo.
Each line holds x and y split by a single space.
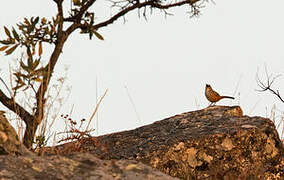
213 96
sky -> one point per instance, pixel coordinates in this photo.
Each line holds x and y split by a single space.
158 68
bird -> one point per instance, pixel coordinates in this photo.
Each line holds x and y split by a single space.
213 96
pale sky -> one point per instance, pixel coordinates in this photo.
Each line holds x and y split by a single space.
165 63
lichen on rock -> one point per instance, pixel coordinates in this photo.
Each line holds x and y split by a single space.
216 142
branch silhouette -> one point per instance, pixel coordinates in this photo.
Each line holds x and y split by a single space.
267 84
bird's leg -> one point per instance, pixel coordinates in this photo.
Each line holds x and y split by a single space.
210 104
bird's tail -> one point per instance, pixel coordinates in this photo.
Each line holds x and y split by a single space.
227 97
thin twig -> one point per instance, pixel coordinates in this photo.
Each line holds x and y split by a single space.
134 107
97 122
96 109
6 86
267 86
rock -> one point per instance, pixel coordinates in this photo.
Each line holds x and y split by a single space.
213 143
78 166
9 141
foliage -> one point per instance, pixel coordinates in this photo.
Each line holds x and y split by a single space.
33 33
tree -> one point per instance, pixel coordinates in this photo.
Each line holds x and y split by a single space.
32 33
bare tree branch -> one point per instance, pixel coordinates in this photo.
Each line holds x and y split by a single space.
152 4
128 7
266 86
15 107
6 86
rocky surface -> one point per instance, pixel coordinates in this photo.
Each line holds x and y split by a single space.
214 143
80 166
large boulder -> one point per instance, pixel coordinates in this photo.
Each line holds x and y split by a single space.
214 143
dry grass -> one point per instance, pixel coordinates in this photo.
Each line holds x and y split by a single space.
55 99
54 103
277 116
52 108
77 130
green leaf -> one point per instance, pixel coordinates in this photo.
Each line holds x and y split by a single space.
36 63
6 42
36 20
29 51
7 32
91 35
30 62
40 48
27 22
40 71
11 50
98 35
17 74
26 68
84 31
30 28
76 2
43 20
38 79
3 48
18 87
16 36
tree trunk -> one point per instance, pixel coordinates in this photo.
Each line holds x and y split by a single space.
31 127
